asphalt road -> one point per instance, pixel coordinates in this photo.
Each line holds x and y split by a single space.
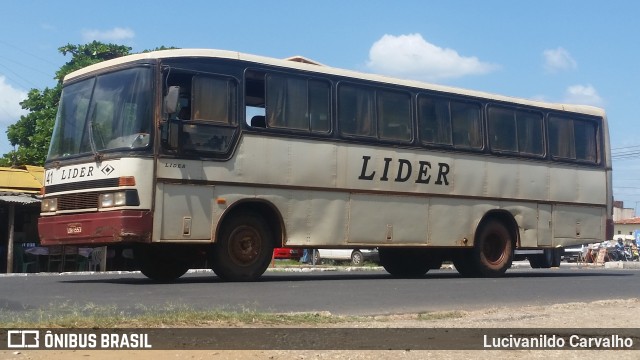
338 292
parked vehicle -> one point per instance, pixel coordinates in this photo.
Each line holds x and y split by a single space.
357 257
284 253
573 253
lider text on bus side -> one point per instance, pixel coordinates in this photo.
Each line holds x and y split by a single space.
405 171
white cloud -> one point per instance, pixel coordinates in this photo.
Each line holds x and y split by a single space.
411 56
47 27
584 95
558 60
113 35
10 98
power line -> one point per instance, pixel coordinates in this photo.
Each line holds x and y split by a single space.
28 53
625 147
30 84
627 157
23 64
10 64
625 152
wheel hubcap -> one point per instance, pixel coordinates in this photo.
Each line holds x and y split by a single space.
245 245
494 250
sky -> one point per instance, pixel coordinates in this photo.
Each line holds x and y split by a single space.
569 51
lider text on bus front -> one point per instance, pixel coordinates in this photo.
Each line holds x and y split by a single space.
405 171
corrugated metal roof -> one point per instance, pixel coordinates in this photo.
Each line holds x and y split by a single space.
635 220
28 179
18 198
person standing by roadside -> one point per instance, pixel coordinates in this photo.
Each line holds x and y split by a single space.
306 256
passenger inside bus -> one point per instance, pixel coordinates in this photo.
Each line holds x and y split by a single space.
258 121
185 113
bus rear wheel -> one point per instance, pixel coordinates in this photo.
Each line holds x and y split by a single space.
404 262
244 249
493 249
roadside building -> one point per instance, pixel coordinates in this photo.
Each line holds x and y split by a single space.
627 229
19 211
621 213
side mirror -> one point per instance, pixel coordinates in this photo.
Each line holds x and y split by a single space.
171 99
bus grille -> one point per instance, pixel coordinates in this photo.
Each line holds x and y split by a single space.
78 201
81 185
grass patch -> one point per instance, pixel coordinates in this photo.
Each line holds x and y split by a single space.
286 262
444 315
92 316
68 315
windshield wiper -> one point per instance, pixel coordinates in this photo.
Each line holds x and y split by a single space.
96 155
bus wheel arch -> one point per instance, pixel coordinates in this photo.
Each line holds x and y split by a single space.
244 242
259 207
495 240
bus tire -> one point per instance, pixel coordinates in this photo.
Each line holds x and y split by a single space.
404 263
557 257
161 263
435 258
548 258
464 264
244 249
493 249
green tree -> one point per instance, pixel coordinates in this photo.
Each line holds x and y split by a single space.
32 132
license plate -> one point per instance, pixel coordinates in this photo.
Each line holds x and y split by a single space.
74 229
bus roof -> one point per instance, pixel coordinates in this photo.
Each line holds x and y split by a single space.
301 63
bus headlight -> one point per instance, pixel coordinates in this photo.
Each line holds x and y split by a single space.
49 205
120 198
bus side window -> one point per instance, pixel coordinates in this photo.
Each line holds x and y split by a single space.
561 138
297 103
206 114
214 100
356 111
530 136
319 106
502 129
466 124
434 120
586 135
254 99
394 115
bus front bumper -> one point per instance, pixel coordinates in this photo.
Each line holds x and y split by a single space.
107 227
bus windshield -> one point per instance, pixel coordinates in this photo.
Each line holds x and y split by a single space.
104 113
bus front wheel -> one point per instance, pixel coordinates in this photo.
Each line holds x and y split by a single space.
244 248
464 263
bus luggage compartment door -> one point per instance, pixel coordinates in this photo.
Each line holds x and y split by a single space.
186 212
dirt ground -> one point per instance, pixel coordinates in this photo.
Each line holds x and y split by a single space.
599 314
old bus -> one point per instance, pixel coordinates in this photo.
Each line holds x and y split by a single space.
217 157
